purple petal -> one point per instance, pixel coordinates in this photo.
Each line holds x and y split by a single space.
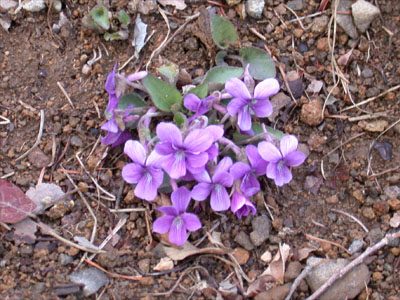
110 126
112 102
191 102
235 105
262 108
180 199
212 152
157 176
288 144
132 173
155 160
168 132
201 191
295 158
239 169
250 185
244 118
175 166
177 233
219 198
194 170
238 201
136 76
198 140
168 210
196 160
110 82
110 138
135 151
223 178
269 152
258 165
266 89
223 166
191 221
203 176
215 131
237 89
122 137
163 224
147 186
280 174
164 148
245 209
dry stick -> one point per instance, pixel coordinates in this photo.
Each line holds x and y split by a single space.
368 116
370 250
296 283
385 172
168 40
120 223
392 89
111 274
351 217
308 16
39 137
297 17
49 231
5 122
311 237
127 210
65 94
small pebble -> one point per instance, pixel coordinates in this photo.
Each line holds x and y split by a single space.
311 113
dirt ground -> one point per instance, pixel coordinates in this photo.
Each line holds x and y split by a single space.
342 172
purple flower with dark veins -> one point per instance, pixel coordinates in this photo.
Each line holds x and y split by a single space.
243 102
145 172
182 155
216 186
240 170
176 220
197 105
279 160
241 206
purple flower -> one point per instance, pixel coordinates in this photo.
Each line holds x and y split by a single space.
247 174
146 172
281 159
243 102
216 185
197 105
111 88
182 155
241 206
115 135
176 220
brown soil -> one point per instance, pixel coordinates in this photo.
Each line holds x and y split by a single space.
34 62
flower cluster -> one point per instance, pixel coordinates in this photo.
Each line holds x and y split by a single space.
188 158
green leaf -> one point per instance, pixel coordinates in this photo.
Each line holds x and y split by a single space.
131 99
124 18
119 35
223 32
219 58
180 120
261 64
200 91
100 16
170 71
222 74
277 133
162 94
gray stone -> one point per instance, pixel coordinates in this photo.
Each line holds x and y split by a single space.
346 21
347 287
356 246
65 259
92 278
76 141
261 228
296 4
319 24
254 8
375 235
392 191
363 14
243 240
367 73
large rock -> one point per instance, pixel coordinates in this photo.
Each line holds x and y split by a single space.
347 287
254 8
346 21
363 14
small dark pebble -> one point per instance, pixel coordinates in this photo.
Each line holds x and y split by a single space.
42 73
303 47
384 149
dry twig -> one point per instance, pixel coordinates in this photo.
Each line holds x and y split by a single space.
311 237
351 217
65 94
296 283
113 275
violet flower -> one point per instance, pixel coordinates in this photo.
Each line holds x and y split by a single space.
240 170
216 186
145 172
176 220
281 159
241 206
197 105
243 102
182 155
115 135
111 88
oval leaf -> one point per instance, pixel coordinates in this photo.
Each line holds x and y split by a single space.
261 64
200 91
222 74
100 16
14 204
162 94
223 32
131 99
